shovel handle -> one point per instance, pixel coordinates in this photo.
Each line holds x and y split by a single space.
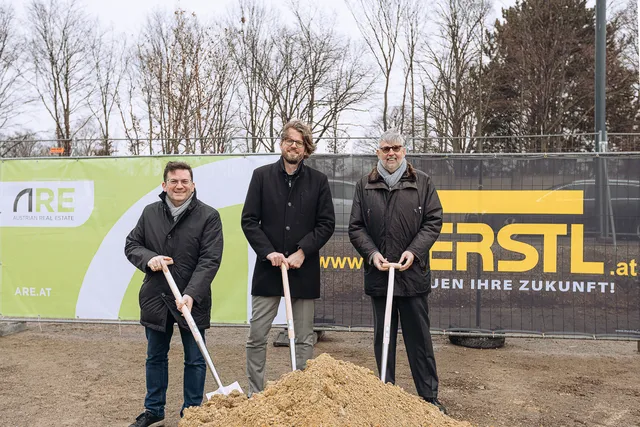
395 265
287 301
189 318
392 266
174 289
289 312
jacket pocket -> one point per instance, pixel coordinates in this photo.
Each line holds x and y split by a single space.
143 288
417 217
424 265
367 267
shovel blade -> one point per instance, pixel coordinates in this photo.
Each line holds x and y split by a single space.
226 390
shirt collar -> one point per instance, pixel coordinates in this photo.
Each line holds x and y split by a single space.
296 172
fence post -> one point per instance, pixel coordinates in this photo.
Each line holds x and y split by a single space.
479 259
599 193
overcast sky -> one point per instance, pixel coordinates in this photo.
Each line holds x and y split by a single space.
129 16
112 10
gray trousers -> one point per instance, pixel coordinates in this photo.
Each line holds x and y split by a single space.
264 310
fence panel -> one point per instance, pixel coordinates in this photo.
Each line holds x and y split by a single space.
521 249
532 243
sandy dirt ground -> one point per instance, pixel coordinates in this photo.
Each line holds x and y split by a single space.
82 374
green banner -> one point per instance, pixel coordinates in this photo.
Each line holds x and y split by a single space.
63 224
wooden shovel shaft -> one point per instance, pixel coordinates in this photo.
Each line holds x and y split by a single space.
289 313
192 324
387 320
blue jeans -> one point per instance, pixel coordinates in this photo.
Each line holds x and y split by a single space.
157 370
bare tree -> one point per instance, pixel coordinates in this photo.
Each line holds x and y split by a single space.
250 47
109 61
304 69
187 82
625 23
379 23
167 53
216 82
336 75
88 141
60 37
287 81
129 111
22 144
414 18
184 79
626 20
451 57
12 91
350 89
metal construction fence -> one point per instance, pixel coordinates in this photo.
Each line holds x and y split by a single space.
543 244
512 144
524 247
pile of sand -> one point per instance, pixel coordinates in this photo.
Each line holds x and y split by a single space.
328 392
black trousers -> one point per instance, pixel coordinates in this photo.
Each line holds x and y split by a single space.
414 318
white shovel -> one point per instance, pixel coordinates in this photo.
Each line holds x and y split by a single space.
387 319
289 311
196 334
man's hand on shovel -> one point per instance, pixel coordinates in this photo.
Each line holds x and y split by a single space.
296 259
186 300
156 263
380 262
164 261
406 260
276 258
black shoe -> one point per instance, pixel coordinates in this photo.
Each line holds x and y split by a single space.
434 401
147 419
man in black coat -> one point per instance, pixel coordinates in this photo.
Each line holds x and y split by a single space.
396 217
287 217
183 228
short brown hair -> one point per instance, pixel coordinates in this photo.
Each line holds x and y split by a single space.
307 136
174 166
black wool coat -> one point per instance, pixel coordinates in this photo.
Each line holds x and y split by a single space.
283 213
407 217
194 242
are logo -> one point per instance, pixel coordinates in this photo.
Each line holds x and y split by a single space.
46 200
46 203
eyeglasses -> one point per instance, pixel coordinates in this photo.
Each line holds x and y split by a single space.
288 142
395 148
174 182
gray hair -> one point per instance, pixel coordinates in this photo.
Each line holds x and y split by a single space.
392 136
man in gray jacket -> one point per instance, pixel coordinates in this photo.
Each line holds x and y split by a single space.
397 217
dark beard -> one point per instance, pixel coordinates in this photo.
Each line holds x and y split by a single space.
292 162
